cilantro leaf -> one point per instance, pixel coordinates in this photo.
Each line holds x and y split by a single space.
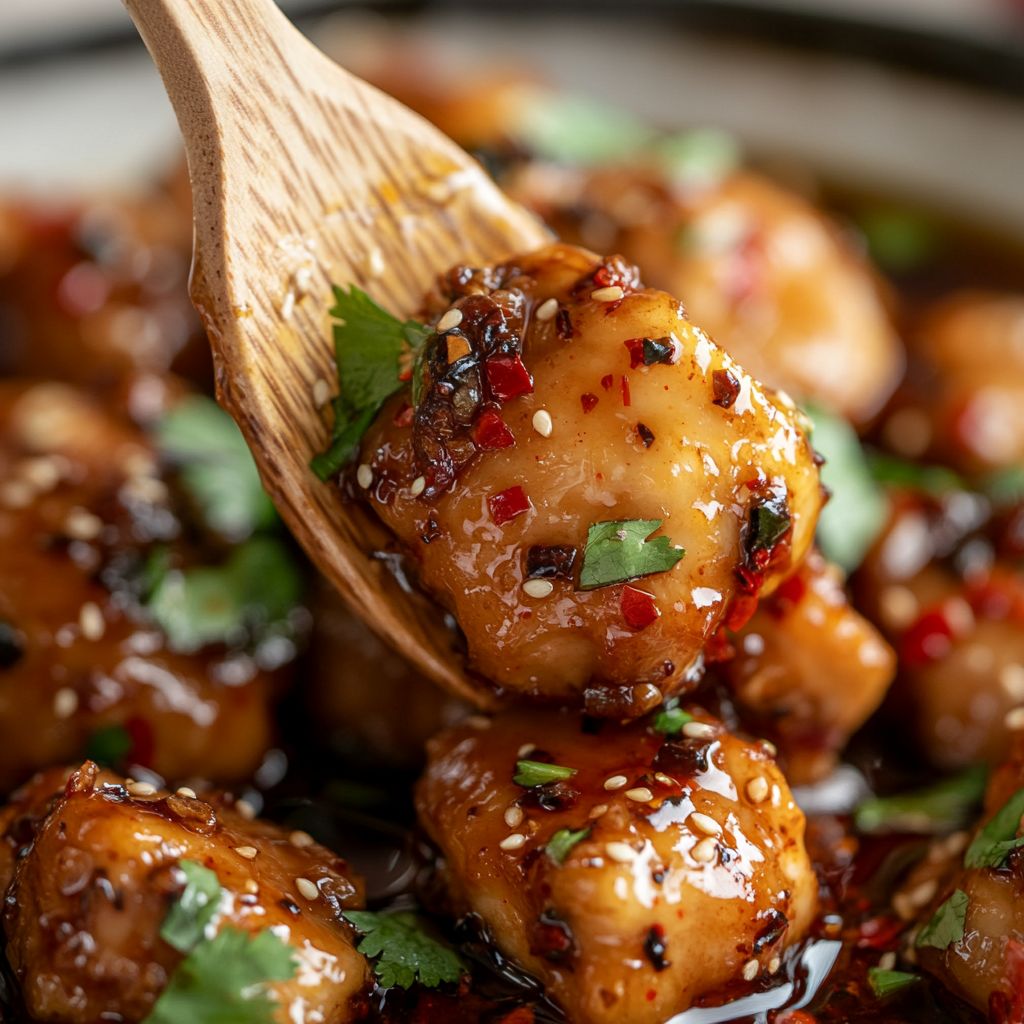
185 924
216 467
250 593
941 807
1004 486
538 773
886 983
561 843
671 719
224 981
899 240
857 510
998 839
947 924
406 952
109 745
368 345
619 551
914 476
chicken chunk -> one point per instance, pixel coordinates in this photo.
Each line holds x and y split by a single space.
631 872
964 403
567 414
809 669
757 266
92 866
84 512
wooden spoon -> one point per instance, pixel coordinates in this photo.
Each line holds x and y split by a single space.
303 176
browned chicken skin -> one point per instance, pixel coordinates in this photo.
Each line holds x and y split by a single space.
545 414
691 875
82 506
90 864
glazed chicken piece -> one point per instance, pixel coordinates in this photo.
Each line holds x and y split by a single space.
953 609
631 872
363 697
809 669
83 513
759 268
93 865
964 401
567 413
978 886
96 293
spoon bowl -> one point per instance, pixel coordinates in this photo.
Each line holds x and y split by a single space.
304 177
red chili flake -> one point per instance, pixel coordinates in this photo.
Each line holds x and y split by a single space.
638 608
645 434
726 388
507 377
719 648
741 611
649 351
607 381
636 352
551 938
881 933
404 416
143 741
520 1015
405 375
624 388
588 400
550 562
929 639
1008 1007
507 504
563 324
789 594
491 432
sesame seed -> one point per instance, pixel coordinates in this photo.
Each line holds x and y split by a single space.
321 393
640 795
615 782
699 731
750 970
186 791
705 823
705 851
610 294
513 816
538 588
250 886
597 811
757 789
769 748
90 621
621 852
449 321
364 476
1011 679
664 780
526 750
65 702
248 852
245 809
83 525
775 963
303 278
288 305
515 841
375 263
301 839
887 961
418 486
543 423
307 889
140 788
547 310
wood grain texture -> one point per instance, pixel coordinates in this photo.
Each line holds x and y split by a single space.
303 176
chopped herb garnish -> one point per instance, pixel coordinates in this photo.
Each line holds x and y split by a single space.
216 467
405 952
938 808
184 926
109 746
913 476
619 551
240 600
698 156
1004 486
857 510
539 773
225 979
886 983
369 344
947 924
670 721
899 240
998 839
768 522
561 843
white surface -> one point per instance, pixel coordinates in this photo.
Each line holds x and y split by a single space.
105 122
